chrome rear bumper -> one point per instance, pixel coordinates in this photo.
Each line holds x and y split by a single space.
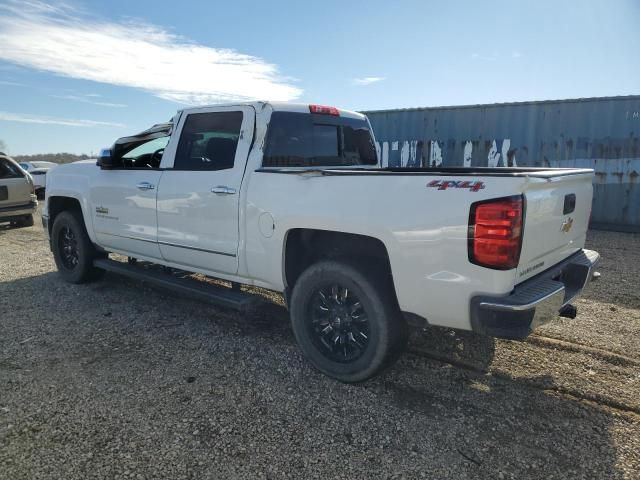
535 301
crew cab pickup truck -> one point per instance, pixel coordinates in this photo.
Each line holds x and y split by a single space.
292 198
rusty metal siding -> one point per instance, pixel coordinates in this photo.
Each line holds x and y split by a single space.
599 133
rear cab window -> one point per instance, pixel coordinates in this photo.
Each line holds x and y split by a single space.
316 140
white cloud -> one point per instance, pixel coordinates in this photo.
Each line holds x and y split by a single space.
88 98
65 41
366 80
45 120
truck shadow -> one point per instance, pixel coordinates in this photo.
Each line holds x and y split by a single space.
479 424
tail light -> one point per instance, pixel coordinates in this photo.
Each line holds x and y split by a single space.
495 232
324 110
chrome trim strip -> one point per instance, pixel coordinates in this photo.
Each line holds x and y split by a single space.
197 249
168 244
126 236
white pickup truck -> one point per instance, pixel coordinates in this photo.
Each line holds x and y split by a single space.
292 198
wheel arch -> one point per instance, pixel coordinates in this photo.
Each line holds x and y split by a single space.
60 203
305 246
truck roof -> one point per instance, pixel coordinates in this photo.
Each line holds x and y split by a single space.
277 106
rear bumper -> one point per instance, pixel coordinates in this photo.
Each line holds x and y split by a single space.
17 211
536 301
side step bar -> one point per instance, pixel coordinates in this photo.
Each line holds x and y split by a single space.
220 296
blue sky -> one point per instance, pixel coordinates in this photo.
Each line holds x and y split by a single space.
76 75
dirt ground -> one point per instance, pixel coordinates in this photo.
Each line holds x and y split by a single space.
118 380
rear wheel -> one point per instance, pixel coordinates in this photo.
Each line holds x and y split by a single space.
72 249
346 320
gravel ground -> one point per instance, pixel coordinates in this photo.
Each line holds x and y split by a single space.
117 380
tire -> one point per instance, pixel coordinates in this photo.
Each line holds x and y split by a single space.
375 342
72 249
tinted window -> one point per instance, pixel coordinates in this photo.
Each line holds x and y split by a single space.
303 140
9 170
208 141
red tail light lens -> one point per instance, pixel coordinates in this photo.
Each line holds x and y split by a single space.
324 110
495 233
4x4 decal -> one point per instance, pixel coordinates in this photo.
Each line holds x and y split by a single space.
473 186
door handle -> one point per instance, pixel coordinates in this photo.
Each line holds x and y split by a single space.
145 186
223 190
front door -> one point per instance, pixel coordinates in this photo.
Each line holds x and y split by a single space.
123 202
198 199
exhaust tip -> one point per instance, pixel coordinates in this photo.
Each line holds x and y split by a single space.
568 311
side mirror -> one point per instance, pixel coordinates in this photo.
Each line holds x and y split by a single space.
105 160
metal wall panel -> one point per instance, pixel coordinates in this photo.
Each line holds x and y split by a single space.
599 133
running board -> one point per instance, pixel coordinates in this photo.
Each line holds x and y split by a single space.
217 295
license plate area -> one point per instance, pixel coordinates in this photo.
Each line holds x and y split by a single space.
4 193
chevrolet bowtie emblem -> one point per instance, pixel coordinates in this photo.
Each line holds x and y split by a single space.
566 225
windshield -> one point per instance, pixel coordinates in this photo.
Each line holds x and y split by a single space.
305 140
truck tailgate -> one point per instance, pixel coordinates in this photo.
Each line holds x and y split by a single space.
557 210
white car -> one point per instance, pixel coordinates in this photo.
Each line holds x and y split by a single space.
291 198
38 170
17 194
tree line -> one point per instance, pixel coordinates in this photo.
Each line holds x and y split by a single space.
50 157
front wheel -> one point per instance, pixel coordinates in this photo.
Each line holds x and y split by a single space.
346 320
72 249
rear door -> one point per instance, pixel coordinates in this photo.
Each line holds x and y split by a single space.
557 211
15 186
198 197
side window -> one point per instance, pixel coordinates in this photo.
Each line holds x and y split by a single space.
145 155
208 141
9 170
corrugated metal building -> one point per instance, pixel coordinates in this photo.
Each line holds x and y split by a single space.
599 133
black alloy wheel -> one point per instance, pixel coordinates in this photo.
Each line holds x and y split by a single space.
338 323
346 319
68 245
72 248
